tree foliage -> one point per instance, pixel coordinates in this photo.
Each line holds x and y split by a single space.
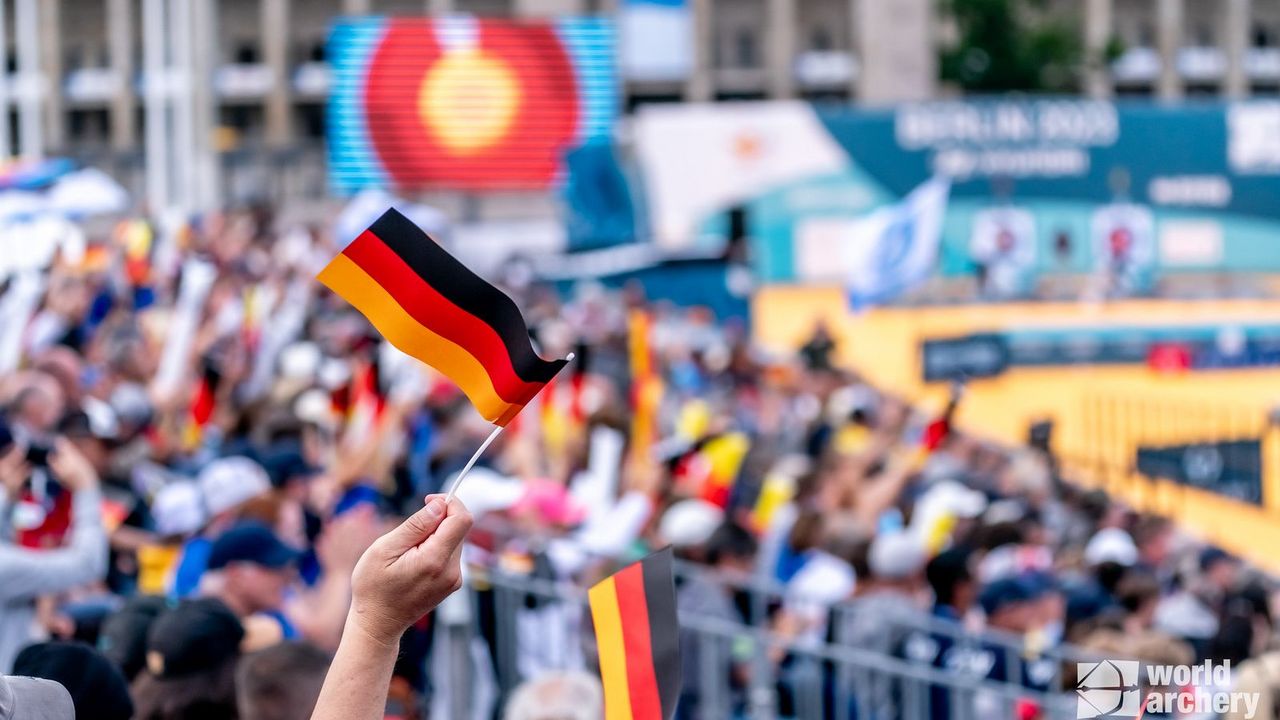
1011 45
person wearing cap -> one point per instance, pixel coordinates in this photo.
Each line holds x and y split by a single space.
191 658
1193 612
729 552
895 561
225 485
249 570
1014 605
28 573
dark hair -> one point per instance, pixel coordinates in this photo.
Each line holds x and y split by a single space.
946 572
1136 588
207 695
1234 641
98 689
1004 533
281 682
730 540
1108 575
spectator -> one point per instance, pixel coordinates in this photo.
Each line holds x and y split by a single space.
123 639
192 652
281 682
730 553
28 573
98 689
225 485
557 696
248 571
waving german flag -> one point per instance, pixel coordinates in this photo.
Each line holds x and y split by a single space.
432 307
634 612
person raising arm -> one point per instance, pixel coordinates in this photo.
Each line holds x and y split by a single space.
401 577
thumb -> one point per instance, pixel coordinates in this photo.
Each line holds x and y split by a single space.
417 528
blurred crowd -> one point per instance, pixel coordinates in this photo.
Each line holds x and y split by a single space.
199 442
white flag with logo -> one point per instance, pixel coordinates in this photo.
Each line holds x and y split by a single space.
895 248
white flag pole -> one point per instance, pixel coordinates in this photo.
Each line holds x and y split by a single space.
457 483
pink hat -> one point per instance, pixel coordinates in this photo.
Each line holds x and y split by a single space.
551 502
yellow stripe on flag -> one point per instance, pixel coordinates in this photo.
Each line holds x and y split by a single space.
612 650
347 279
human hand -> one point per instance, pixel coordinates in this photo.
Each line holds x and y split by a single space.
345 539
14 470
71 467
409 571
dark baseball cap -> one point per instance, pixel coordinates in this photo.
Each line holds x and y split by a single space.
1212 555
123 639
98 689
285 461
1008 591
196 636
251 542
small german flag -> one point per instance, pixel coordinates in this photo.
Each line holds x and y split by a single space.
432 307
204 401
634 612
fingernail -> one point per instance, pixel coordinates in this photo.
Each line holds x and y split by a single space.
435 507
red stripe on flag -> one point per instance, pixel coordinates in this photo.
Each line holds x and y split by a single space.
426 305
646 704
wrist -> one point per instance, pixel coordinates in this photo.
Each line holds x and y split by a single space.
375 628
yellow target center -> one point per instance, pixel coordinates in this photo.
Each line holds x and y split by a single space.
469 99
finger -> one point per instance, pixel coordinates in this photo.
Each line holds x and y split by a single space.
417 528
452 530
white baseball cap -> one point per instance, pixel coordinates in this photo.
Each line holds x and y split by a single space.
178 508
1111 545
689 523
228 482
896 556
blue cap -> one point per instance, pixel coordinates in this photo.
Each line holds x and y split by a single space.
251 542
1010 590
285 461
1212 555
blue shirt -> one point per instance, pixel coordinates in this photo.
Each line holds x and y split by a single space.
191 567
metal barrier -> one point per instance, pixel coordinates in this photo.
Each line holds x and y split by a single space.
744 670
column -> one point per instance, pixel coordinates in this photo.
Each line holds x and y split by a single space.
6 151
1168 41
855 48
120 22
357 7
1235 44
26 37
897 54
275 54
207 168
51 66
701 87
1097 35
157 146
781 53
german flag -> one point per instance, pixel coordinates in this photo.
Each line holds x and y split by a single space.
432 307
634 612
204 401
